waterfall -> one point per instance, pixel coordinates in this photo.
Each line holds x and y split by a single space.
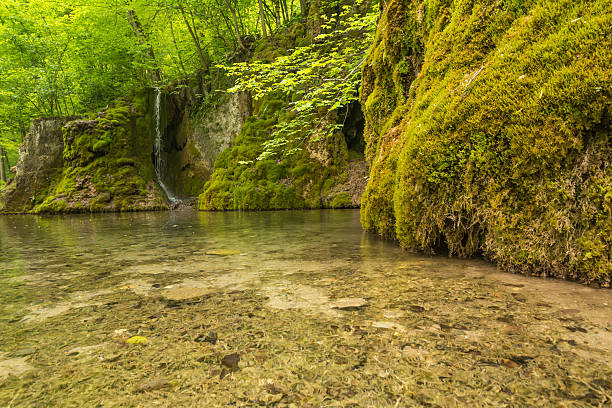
160 163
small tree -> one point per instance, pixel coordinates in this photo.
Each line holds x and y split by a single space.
319 78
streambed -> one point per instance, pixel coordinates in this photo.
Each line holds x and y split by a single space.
290 308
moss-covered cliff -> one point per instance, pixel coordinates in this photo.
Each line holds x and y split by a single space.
199 121
311 169
488 131
40 163
324 173
107 164
88 165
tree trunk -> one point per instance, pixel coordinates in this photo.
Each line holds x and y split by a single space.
178 52
6 163
304 7
285 12
236 25
2 165
194 37
262 16
144 40
277 13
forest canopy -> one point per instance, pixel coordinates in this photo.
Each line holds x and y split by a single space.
71 57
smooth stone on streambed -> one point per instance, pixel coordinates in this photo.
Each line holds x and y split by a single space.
388 325
349 304
24 352
209 338
223 252
153 385
14 366
85 350
231 361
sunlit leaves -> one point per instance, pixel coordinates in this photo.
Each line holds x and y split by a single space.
318 78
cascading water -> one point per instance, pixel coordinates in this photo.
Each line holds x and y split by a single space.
160 164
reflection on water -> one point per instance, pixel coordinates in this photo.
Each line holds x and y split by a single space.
87 282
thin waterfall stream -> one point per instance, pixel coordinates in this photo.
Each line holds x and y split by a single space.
160 163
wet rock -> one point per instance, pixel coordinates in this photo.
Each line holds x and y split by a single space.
231 361
575 329
84 350
112 359
24 352
349 304
153 385
207 338
387 325
14 366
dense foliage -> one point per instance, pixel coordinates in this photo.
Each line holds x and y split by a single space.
318 78
74 56
294 153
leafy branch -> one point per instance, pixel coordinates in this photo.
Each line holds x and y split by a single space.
319 79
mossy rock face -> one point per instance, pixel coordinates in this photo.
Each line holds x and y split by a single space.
40 163
107 165
305 179
488 131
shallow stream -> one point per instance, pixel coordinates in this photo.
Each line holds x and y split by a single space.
295 308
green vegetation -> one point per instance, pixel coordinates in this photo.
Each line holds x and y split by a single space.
318 78
107 165
243 180
74 65
72 57
488 130
292 152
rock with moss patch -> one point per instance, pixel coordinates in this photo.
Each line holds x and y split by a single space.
486 134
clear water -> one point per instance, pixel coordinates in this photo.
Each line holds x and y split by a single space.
323 311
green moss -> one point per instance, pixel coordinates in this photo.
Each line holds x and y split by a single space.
126 161
241 182
487 130
107 165
342 200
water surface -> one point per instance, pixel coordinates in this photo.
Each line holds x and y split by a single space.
315 311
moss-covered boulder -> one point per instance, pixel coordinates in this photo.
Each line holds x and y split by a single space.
488 131
107 165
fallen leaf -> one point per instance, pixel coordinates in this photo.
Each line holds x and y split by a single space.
137 340
510 364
